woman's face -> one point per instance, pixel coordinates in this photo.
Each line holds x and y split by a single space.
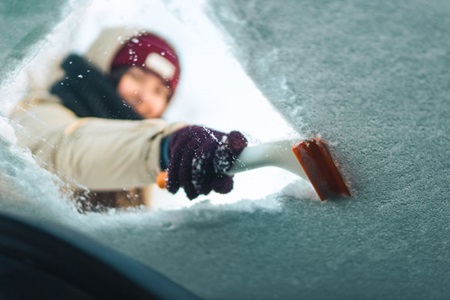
144 91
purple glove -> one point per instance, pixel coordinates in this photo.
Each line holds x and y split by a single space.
199 158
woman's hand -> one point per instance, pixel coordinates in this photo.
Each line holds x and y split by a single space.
199 158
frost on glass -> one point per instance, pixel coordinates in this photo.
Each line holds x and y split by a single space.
371 78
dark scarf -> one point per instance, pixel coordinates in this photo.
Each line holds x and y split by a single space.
89 93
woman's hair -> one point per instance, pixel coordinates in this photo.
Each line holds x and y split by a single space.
116 74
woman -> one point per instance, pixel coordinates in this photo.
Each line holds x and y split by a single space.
99 125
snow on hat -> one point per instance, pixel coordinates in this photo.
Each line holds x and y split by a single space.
150 52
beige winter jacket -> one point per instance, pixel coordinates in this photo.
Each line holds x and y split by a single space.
100 154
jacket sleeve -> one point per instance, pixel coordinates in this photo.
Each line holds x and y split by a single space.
100 154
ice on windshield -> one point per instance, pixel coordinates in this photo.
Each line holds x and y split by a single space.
371 78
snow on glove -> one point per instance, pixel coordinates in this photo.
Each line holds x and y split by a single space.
199 158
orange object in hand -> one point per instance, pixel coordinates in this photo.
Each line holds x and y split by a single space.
161 180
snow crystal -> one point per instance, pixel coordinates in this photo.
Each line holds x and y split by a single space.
6 130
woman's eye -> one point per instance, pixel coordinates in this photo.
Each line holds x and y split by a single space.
159 90
162 91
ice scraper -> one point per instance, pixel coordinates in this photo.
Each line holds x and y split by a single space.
310 159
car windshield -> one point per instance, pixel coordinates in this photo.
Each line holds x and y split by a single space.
369 78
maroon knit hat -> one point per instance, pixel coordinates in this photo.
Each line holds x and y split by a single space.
153 53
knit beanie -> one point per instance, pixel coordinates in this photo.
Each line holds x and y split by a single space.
152 53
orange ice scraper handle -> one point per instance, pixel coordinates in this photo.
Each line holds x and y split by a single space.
161 180
322 172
